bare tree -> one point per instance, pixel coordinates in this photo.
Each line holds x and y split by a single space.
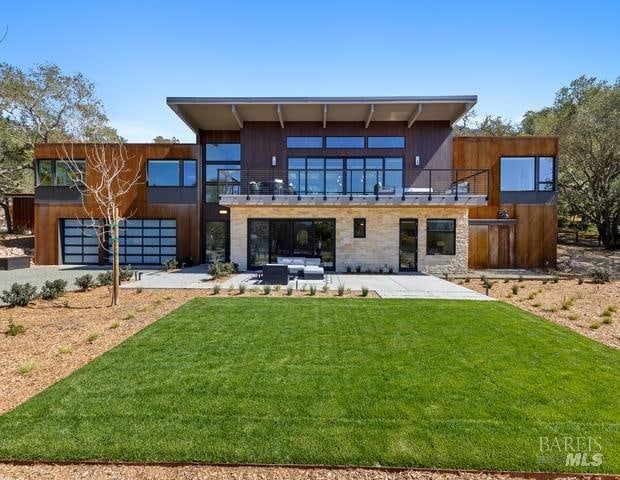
111 174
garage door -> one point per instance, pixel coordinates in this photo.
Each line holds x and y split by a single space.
146 241
79 242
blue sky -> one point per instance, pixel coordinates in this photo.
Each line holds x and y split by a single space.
513 55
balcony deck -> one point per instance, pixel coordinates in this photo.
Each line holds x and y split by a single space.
458 187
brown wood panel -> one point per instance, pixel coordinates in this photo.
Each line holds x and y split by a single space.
133 205
22 212
478 246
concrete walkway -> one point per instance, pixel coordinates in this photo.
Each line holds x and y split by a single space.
386 286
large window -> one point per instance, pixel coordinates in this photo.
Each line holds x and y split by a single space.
60 173
222 171
171 173
386 142
340 176
527 174
304 142
440 236
270 239
344 142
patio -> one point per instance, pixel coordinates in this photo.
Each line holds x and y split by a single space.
415 285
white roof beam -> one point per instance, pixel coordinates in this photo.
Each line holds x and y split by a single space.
414 115
371 112
280 115
237 115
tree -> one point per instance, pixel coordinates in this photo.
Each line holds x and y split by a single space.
586 117
488 126
44 105
112 174
160 139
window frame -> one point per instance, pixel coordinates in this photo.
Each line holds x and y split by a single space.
290 147
359 223
430 230
328 137
53 169
536 180
369 137
181 180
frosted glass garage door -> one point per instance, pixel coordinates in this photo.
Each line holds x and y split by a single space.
80 245
146 241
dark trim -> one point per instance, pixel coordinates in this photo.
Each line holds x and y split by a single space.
492 221
400 233
356 222
47 194
453 232
290 220
530 198
171 195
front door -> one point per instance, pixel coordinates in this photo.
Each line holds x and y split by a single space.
408 239
216 241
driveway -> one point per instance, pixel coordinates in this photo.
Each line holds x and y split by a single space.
37 276
387 286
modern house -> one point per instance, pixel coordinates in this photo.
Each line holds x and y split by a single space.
365 182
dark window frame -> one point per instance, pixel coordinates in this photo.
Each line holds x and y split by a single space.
304 136
291 232
430 230
96 224
210 184
53 162
123 240
537 182
181 179
327 137
359 228
369 147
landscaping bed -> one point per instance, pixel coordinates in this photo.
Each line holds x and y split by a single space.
590 309
427 383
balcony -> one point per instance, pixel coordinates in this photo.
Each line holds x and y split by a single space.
354 187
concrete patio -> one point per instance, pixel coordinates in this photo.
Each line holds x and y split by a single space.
387 286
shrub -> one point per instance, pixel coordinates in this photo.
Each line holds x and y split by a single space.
358 269
537 304
64 350
545 281
550 309
608 311
390 269
220 269
608 321
348 268
567 303
506 280
277 288
599 275
555 279
231 290
595 326
325 288
266 289
26 368
467 280
20 295
170 264
364 291
242 288
14 329
304 287
113 325
85 282
579 281
53 289
129 316
488 283
573 317
139 290
216 289
105 278
289 291
531 296
340 290
92 337
126 273
520 278
312 290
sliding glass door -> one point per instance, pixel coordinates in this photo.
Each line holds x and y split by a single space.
216 236
408 247
269 239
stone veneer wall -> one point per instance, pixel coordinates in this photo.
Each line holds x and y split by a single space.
380 247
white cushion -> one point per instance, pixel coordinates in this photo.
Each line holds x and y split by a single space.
315 262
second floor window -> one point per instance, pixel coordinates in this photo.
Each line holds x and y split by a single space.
171 173
527 174
60 173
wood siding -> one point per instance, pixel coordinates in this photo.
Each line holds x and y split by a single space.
536 229
432 141
133 205
22 212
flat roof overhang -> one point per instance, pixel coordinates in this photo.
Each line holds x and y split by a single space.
230 113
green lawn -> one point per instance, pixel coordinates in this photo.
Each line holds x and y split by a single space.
429 383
